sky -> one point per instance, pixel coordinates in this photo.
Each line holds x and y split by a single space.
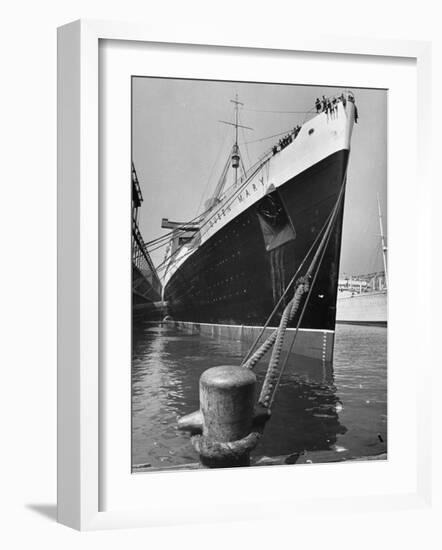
179 148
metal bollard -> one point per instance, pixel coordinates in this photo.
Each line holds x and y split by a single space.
227 397
226 417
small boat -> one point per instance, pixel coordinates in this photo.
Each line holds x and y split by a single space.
362 299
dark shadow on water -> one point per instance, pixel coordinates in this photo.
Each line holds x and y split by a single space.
48 511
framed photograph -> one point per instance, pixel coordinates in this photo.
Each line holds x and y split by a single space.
231 276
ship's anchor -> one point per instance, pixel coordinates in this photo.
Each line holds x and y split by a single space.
229 425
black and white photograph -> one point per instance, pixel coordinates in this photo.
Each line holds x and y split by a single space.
259 274
223 333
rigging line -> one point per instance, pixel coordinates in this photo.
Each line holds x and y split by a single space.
222 180
313 262
165 263
159 246
248 159
307 299
172 256
268 137
334 210
253 171
298 324
278 112
166 237
287 288
245 143
227 203
226 134
259 164
244 171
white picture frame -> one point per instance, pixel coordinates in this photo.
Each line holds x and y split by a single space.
79 367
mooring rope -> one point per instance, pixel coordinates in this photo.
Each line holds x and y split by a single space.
276 339
292 307
272 370
271 392
283 295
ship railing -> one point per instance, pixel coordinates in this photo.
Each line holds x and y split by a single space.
311 113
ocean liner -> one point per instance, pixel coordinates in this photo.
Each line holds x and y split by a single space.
225 271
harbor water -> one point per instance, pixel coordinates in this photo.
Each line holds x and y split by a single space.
320 413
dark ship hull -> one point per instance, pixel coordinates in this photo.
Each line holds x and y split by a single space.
237 276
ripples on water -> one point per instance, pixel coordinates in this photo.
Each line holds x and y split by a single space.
340 409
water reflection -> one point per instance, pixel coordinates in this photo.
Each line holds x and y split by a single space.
306 411
316 409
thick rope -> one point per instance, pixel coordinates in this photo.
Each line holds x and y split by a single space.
276 339
251 362
248 362
274 373
272 370
292 307
217 453
277 378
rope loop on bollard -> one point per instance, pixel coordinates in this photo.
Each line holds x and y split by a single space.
225 453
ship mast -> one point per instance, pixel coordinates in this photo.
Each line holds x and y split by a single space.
235 150
384 246
235 147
